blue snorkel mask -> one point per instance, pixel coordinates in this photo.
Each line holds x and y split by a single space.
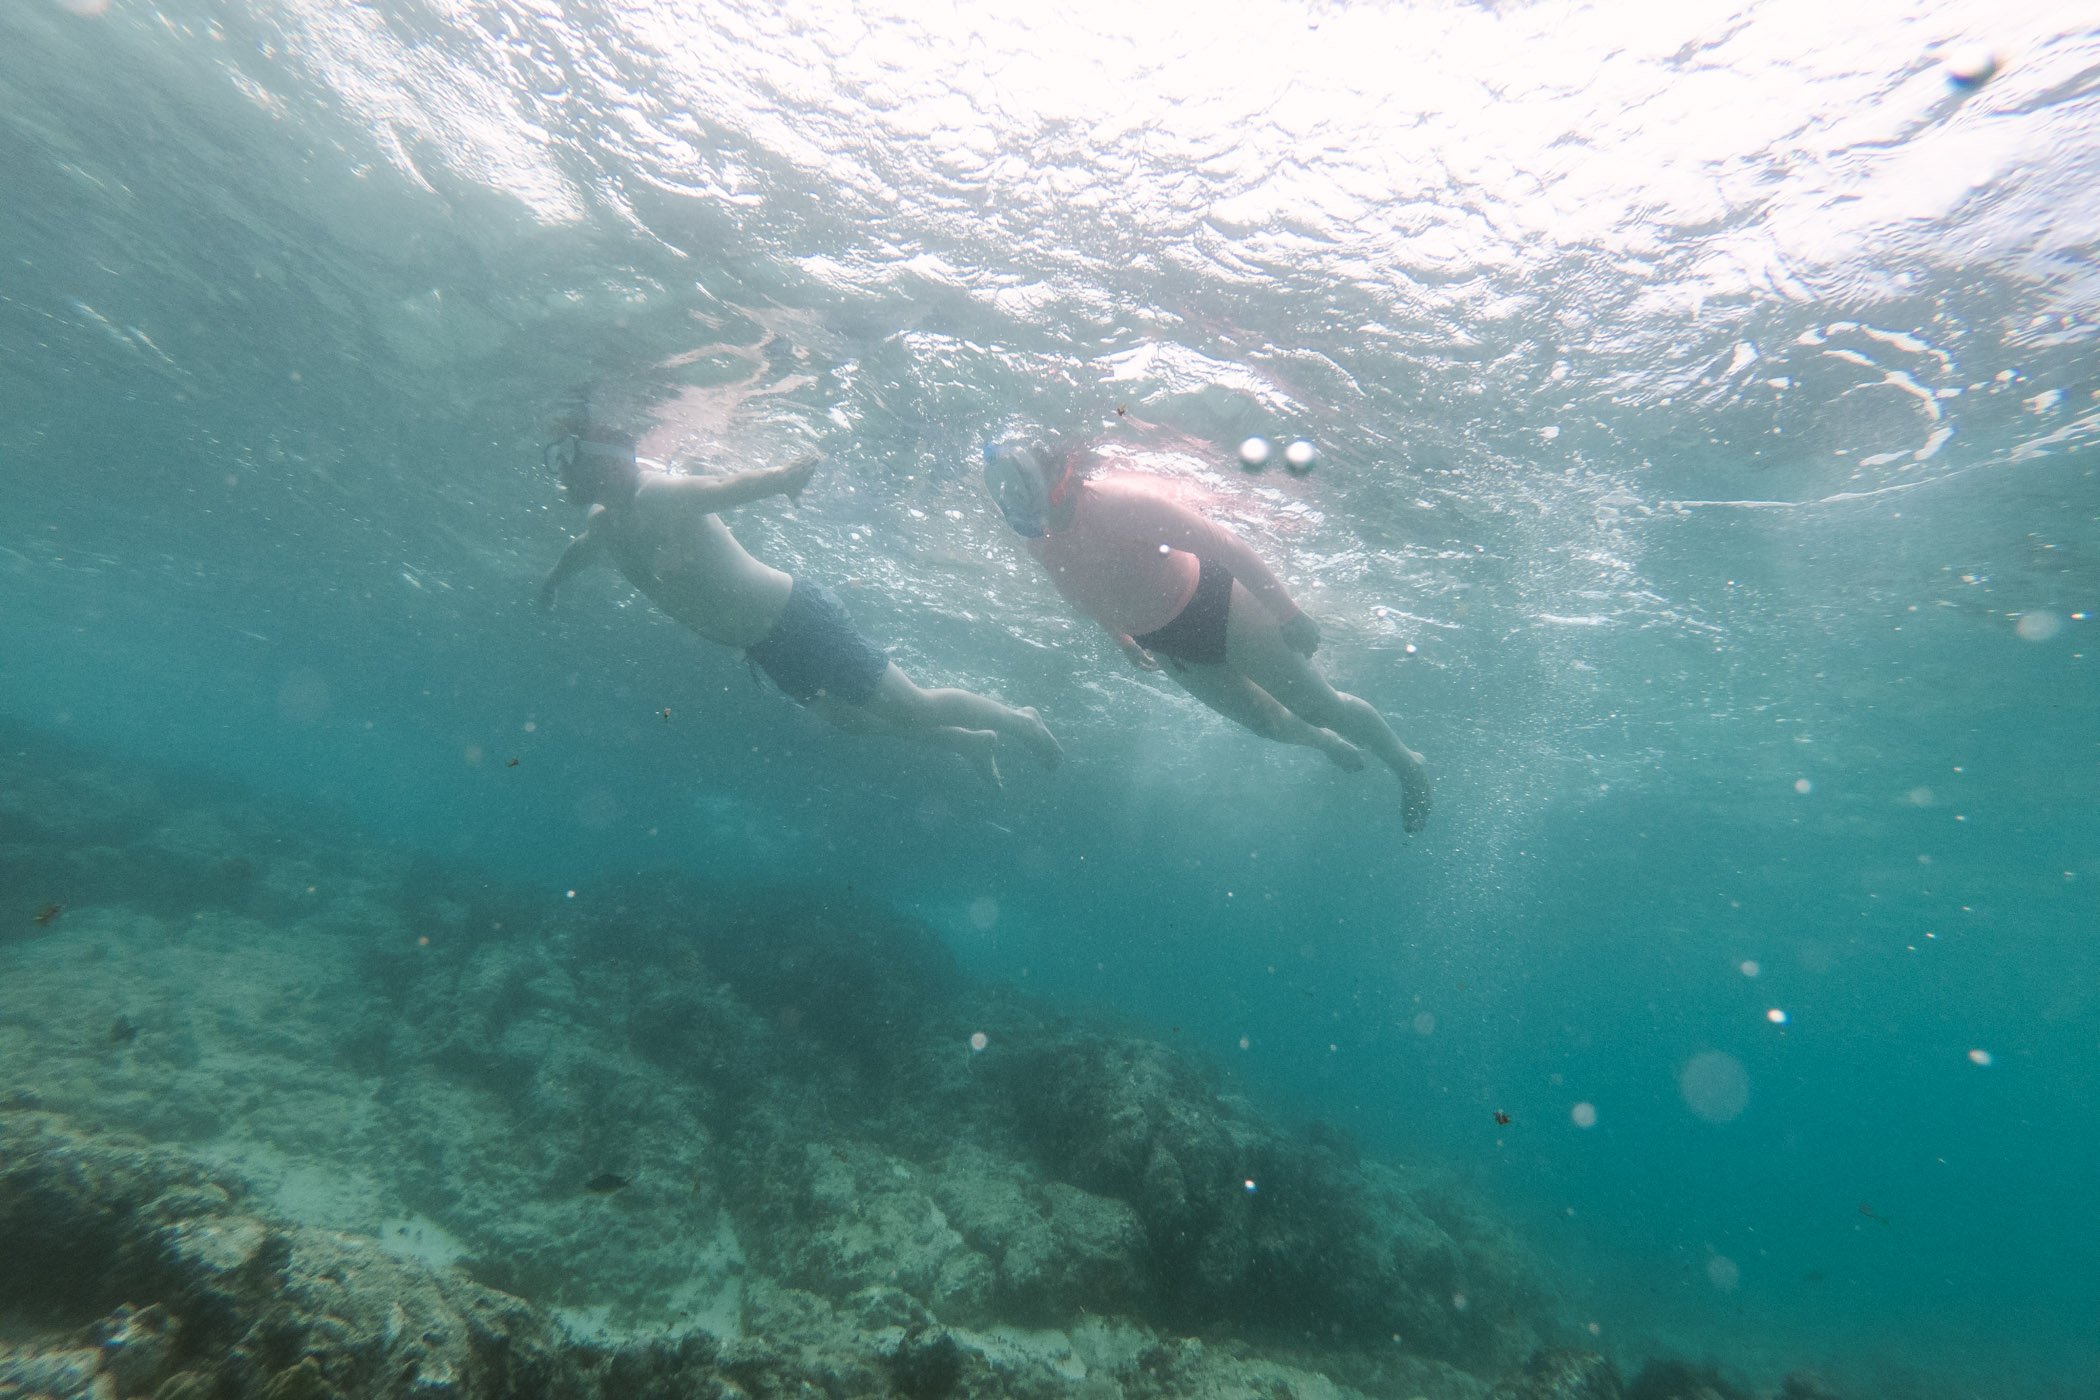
1015 476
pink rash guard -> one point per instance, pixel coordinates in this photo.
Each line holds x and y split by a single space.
1130 558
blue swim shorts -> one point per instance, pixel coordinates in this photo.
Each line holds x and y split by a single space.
814 650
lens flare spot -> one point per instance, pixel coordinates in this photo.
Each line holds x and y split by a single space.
1583 1115
1715 1086
2038 626
978 1040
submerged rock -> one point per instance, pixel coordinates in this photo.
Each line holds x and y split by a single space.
196 1297
927 1365
1563 1373
1669 1379
74 1374
1247 1228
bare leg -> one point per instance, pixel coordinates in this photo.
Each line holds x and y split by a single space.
1254 647
1245 703
902 707
979 746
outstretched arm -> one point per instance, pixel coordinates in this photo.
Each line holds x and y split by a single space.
583 551
719 493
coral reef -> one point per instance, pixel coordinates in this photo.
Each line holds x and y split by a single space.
406 1133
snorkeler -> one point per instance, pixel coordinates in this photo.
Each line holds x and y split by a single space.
660 530
1166 582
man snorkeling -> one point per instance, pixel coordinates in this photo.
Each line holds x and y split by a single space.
1166 582
660 530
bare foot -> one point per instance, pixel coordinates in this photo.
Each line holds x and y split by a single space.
981 747
1414 794
1340 752
1038 737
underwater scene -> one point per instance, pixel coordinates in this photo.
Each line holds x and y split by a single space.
1280 698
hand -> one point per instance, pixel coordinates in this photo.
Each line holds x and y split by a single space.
1142 659
794 478
1301 634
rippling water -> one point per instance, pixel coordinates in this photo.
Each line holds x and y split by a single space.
1706 399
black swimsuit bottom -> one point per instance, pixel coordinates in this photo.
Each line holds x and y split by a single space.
1197 632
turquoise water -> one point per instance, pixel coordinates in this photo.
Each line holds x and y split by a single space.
1706 404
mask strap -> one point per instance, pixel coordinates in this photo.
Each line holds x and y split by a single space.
1063 488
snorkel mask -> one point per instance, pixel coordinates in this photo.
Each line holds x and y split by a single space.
1019 479
591 462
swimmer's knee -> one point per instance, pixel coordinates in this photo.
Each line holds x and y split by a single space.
1273 721
1319 711
901 701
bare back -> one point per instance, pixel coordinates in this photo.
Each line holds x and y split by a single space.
690 566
